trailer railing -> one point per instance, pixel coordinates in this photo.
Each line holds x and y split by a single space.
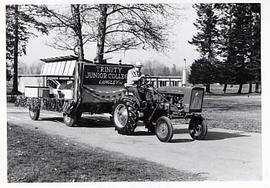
160 81
39 80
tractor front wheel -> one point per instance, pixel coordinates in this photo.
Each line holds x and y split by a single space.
197 128
125 116
164 129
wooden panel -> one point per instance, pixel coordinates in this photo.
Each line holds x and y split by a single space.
71 68
57 71
66 68
53 70
62 67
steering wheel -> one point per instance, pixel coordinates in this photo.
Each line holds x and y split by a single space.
145 83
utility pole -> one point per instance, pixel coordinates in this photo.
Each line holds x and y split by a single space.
184 77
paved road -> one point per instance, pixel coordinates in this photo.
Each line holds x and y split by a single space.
224 155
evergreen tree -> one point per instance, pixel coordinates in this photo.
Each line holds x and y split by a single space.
239 44
254 54
225 68
201 72
206 37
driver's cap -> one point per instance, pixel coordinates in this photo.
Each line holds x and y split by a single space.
138 64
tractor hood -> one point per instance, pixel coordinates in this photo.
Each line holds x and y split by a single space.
192 96
173 90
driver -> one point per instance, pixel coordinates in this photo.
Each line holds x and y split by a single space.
134 75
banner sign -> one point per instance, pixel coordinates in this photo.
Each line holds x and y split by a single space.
105 74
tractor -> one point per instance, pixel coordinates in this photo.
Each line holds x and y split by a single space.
73 87
157 107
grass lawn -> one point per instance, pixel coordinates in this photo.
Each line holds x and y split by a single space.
35 157
231 110
240 112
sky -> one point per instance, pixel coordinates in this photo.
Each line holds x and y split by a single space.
182 32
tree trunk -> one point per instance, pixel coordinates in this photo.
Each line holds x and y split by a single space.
257 87
16 43
250 88
240 89
208 88
225 88
75 9
101 32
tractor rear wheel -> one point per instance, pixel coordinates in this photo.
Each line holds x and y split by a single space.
164 129
125 116
34 113
197 128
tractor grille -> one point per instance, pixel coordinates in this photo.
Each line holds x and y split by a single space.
196 100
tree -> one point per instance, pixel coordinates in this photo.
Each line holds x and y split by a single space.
130 26
115 27
156 68
239 44
21 21
69 26
225 68
254 54
174 71
166 71
75 9
242 46
201 72
206 38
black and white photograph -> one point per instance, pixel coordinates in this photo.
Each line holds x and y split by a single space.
130 92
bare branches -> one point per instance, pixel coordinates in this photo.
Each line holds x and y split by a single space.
70 27
113 26
142 25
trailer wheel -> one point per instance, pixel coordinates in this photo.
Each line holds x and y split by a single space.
70 120
197 128
125 116
164 129
34 113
